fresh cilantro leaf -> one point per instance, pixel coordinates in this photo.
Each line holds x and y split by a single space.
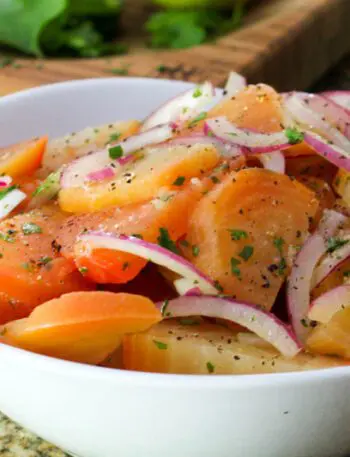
246 252
195 120
179 181
334 243
160 345
210 367
195 250
238 234
294 135
234 267
115 152
165 241
28 228
197 92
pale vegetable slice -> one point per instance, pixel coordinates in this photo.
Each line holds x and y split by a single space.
326 305
341 185
204 348
63 150
141 180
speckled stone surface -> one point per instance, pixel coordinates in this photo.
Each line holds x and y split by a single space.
16 442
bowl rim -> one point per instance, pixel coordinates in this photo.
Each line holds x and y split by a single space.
59 366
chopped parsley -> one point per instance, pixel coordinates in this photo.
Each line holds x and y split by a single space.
294 136
282 264
215 179
346 274
125 266
29 228
160 345
114 137
237 235
28 266
197 92
161 68
7 237
304 323
5 192
334 243
83 270
246 252
210 367
218 286
195 250
118 71
50 186
195 120
234 267
163 309
179 181
115 152
44 260
165 241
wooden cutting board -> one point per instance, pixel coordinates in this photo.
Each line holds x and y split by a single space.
287 43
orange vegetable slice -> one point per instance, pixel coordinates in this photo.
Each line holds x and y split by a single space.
198 347
31 270
22 159
144 220
142 179
332 338
82 326
243 231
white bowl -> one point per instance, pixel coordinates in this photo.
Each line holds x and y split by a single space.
99 412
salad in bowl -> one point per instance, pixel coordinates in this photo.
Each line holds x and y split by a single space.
211 238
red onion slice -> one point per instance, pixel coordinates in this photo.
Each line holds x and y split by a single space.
182 107
225 148
257 320
300 279
253 142
10 201
148 251
100 175
304 115
77 173
184 286
273 161
329 111
326 305
5 181
338 156
235 83
341 97
331 261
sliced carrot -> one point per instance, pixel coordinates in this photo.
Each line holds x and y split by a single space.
31 269
243 229
22 159
82 326
144 220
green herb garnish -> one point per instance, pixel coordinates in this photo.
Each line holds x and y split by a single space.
165 241
294 135
50 186
334 243
234 267
238 234
195 250
6 191
83 270
160 345
195 120
29 228
179 181
115 152
197 92
164 308
7 237
113 137
246 252
210 367
44 260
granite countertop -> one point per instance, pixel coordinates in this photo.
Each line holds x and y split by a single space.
16 442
